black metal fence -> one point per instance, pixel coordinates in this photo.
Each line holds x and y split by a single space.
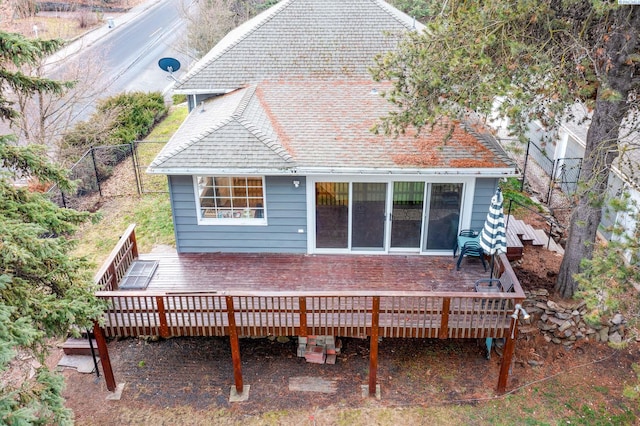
557 177
111 171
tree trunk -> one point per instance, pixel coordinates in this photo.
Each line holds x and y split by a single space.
602 143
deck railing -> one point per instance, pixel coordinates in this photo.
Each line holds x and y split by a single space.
422 314
121 257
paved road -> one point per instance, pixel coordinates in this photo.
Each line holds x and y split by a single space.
128 50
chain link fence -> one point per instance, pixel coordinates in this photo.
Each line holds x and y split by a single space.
555 180
111 171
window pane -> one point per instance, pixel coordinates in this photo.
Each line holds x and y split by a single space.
332 214
444 215
236 197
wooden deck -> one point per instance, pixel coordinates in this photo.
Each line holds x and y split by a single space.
298 295
286 272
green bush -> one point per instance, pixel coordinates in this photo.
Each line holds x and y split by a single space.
135 115
117 122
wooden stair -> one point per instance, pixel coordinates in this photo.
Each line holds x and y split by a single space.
79 346
530 236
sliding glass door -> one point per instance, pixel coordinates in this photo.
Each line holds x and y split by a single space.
406 217
398 216
445 200
368 213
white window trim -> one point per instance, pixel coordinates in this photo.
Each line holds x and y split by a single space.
229 221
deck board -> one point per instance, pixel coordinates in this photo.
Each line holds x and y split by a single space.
287 272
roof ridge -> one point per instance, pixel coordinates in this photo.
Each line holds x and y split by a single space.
270 143
270 13
196 138
391 11
244 102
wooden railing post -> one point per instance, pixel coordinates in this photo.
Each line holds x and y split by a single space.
373 351
162 316
134 243
507 355
104 357
303 316
114 277
444 318
235 346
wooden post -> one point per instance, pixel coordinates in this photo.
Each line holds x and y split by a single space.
507 356
303 316
162 315
114 277
235 346
134 242
373 351
104 357
444 318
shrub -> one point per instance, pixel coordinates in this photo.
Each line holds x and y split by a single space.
136 114
117 122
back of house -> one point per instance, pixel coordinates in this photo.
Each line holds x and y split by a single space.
277 153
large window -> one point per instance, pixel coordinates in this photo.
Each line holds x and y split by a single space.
231 199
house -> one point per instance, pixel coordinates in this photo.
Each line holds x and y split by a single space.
277 182
560 154
277 153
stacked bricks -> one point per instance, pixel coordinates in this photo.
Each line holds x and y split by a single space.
319 349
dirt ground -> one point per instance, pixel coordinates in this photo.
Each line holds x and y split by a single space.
192 376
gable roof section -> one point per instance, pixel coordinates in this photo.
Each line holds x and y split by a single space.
217 134
318 126
300 39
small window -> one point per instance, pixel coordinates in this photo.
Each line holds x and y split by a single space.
231 199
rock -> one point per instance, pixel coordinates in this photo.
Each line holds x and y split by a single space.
604 334
563 315
553 306
542 306
556 340
617 319
541 292
282 339
547 338
615 338
566 325
534 363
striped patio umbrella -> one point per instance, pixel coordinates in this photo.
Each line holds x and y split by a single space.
493 239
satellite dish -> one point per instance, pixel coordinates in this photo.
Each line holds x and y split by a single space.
169 64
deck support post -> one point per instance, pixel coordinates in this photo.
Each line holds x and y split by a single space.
235 345
302 301
373 351
107 371
507 356
162 315
444 318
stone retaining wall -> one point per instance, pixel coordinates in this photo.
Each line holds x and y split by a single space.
562 322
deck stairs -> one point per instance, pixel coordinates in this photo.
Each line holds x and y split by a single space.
79 346
531 236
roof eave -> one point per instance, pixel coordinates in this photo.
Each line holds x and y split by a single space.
488 173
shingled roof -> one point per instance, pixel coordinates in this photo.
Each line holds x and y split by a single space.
314 125
300 39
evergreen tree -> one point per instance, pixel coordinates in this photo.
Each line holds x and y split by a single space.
44 290
538 58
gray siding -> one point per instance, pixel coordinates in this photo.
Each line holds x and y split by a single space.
574 148
286 214
485 188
